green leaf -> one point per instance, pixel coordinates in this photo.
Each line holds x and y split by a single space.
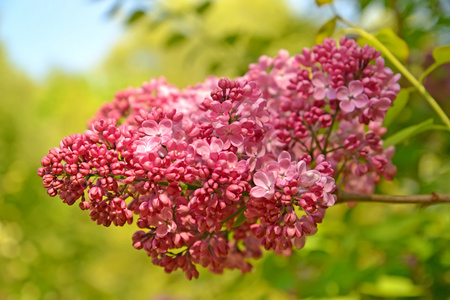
411 131
203 7
326 30
230 39
392 286
441 56
323 2
135 16
175 39
239 220
397 46
399 103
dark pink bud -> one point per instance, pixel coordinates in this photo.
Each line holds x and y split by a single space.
52 192
290 218
41 172
224 83
91 135
352 142
45 161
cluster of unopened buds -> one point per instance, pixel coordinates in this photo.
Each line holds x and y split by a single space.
214 173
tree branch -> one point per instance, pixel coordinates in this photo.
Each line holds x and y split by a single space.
429 199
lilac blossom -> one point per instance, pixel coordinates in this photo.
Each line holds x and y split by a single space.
352 96
260 157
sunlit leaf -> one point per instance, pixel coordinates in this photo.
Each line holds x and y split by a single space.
231 39
175 39
203 7
441 56
399 103
214 66
159 20
411 131
323 2
398 47
392 286
326 30
135 16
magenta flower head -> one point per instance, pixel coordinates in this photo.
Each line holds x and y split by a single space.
258 157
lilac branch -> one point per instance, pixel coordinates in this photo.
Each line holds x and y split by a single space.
429 199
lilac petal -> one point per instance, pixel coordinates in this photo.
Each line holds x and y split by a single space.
329 185
298 229
166 213
226 106
331 94
284 164
342 93
301 167
291 172
222 130
216 106
318 79
216 145
235 128
328 199
290 231
383 104
165 126
258 192
319 93
284 155
261 179
309 178
161 230
232 159
150 127
356 88
202 148
299 243
361 100
273 167
347 106
236 140
242 166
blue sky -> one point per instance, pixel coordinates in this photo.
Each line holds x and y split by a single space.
70 34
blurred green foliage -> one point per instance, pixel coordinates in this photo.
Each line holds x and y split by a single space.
371 251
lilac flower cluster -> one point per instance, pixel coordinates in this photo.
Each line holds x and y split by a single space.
215 171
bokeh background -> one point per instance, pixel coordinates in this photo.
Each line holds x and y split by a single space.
60 60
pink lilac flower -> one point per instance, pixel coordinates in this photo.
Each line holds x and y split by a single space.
162 130
264 184
146 145
306 178
219 111
323 86
377 108
352 96
230 135
284 168
163 222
